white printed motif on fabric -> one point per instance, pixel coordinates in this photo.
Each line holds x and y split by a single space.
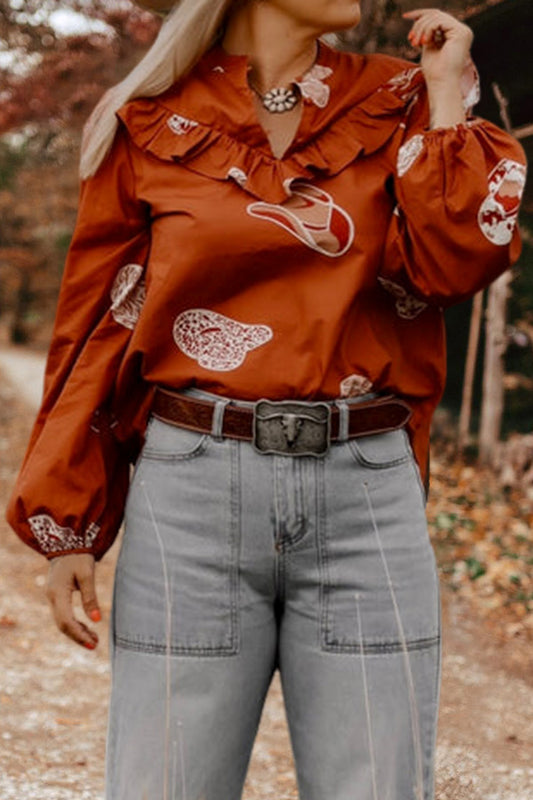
403 85
128 295
311 85
407 306
499 211
470 86
181 125
355 386
91 533
312 216
408 153
217 342
238 175
53 538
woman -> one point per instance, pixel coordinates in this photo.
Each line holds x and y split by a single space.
271 218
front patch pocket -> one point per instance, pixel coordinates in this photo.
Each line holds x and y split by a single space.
379 582
177 572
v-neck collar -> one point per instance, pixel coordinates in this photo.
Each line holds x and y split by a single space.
227 75
313 84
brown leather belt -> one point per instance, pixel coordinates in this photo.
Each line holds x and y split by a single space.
291 427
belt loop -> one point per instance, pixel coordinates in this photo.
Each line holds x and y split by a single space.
218 418
344 420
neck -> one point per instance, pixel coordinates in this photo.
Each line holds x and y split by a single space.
278 50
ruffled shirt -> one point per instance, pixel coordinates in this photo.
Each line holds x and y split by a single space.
200 259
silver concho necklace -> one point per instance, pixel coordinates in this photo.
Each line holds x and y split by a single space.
279 99
282 98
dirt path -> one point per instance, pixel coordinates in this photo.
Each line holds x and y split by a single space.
25 370
53 695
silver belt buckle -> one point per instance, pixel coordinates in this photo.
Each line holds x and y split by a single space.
291 428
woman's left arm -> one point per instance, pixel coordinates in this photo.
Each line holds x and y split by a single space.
458 181
445 46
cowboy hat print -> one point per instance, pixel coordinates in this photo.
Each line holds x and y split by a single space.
313 217
499 212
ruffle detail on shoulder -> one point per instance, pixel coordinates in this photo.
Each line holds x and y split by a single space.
164 130
169 136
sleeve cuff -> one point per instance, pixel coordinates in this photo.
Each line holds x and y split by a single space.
53 538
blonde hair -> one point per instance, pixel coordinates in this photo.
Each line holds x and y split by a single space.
186 34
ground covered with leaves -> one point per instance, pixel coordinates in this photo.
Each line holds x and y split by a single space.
483 539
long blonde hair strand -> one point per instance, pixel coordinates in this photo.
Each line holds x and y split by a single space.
186 34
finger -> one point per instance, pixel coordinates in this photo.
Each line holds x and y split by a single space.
86 584
429 32
61 603
423 27
435 33
420 12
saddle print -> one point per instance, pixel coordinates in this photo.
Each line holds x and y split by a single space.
355 386
217 342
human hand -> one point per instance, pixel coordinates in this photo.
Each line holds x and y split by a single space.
445 43
67 574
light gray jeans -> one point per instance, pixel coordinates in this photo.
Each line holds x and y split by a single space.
234 564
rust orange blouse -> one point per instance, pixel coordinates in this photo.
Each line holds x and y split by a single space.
199 259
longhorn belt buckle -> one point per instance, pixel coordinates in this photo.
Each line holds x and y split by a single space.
292 428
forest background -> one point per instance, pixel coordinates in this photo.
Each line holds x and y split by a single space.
52 696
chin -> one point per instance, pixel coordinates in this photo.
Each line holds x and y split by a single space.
345 18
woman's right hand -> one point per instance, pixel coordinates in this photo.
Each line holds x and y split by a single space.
66 575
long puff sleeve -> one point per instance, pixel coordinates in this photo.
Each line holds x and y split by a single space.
70 493
458 192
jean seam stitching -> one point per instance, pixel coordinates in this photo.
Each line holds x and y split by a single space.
359 457
198 450
154 648
322 536
299 511
235 524
383 647
378 465
415 469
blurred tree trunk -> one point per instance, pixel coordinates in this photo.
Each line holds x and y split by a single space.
470 371
495 342
493 375
19 331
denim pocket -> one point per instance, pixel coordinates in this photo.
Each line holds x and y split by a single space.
166 442
177 571
381 450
